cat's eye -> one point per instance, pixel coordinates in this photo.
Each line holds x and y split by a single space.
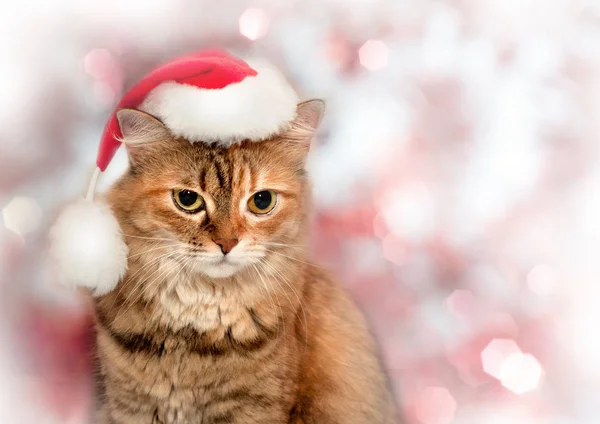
262 202
188 201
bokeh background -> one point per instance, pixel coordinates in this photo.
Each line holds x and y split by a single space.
456 176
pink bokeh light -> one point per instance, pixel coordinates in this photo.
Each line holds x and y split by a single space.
520 373
254 23
374 55
462 303
496 353
517 371
105 69
435 405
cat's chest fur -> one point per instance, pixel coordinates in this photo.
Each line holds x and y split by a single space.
196 349
203 308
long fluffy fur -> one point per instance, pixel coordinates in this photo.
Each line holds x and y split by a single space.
276 342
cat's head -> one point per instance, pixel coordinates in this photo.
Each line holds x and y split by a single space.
218 210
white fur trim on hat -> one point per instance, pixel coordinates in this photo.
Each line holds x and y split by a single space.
255 108
87 246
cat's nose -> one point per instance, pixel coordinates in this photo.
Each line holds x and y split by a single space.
226 244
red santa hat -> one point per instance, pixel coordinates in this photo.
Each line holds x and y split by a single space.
208 96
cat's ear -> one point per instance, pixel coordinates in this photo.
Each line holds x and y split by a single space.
303 128
142 133
310 114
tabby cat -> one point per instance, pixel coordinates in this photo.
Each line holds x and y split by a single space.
220 317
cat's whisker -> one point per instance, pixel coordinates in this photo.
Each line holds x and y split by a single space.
147 265
263 287
289 257
289 284
147 238
153 249
170 286
198 255
181 262
285 280
163 273
270 294
266 243
158 278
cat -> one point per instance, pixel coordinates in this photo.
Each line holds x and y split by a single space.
221 318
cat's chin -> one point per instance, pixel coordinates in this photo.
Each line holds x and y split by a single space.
221 270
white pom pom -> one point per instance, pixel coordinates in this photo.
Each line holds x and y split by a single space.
88 247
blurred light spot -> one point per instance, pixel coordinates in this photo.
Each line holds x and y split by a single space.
339 51
410 213
394 250
106 71
435 405
495 353
520 373
542 280
99 63
22 215
254 23
462 303
517 371
374 55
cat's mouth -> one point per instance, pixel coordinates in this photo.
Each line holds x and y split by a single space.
218 267
212 259
224 260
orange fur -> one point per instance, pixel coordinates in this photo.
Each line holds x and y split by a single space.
273 341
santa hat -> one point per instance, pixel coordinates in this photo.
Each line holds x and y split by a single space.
208 96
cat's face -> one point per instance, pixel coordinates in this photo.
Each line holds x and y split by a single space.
218 210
